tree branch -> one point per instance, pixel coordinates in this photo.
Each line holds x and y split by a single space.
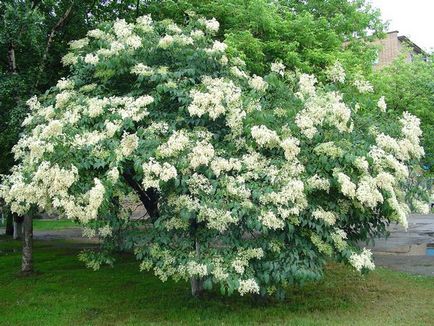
57 26
149 198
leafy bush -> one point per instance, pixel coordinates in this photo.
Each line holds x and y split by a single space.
249 183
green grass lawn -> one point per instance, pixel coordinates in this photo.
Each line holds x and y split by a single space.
48 225
63 292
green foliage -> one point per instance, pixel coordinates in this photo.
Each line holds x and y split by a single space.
304 35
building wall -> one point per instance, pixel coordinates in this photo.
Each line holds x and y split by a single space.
390 48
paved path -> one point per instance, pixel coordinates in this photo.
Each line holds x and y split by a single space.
408 251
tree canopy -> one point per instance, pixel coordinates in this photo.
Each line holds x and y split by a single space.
250 183
304 35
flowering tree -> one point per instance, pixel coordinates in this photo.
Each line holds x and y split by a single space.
250 183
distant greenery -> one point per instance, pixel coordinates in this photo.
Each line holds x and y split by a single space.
409 86
64 292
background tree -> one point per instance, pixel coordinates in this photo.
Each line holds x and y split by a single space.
304 35
409 86
251 184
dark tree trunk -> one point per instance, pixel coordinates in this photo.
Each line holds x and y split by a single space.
27 259
12 65
53 31
149 197
18 226
196 282
9 222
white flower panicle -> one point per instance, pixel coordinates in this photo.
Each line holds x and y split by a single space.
176 143
348 188
336 73
271 221
154 172
258 83
248 286
363 86
382 104
201 154
211 25
278 67
217 219
362 261
265 137
129 143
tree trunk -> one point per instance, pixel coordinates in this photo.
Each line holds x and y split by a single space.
18 226
12 65
27 259
9 222
18 230
56 27
196 282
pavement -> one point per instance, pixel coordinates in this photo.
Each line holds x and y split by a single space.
410 251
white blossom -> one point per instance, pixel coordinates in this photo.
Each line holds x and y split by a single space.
248 286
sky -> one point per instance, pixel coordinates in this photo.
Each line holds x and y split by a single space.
412 18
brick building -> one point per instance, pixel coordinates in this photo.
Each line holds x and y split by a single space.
394 45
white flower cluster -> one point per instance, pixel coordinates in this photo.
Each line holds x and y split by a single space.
382 104
221 96
336 73
211 25
154 172
237 187
258 83
217 47
220 164
271 221
278 67
248 286
265 137
168 40
201 154
363 86
329 149
348 188
362 261
91 59
105 231
328 217
176 143
62 84
129 144
361 164
199 183
144 23
142 70
291 147
326 108
217 219
240 263
306 86
196 269
316 182
367 192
